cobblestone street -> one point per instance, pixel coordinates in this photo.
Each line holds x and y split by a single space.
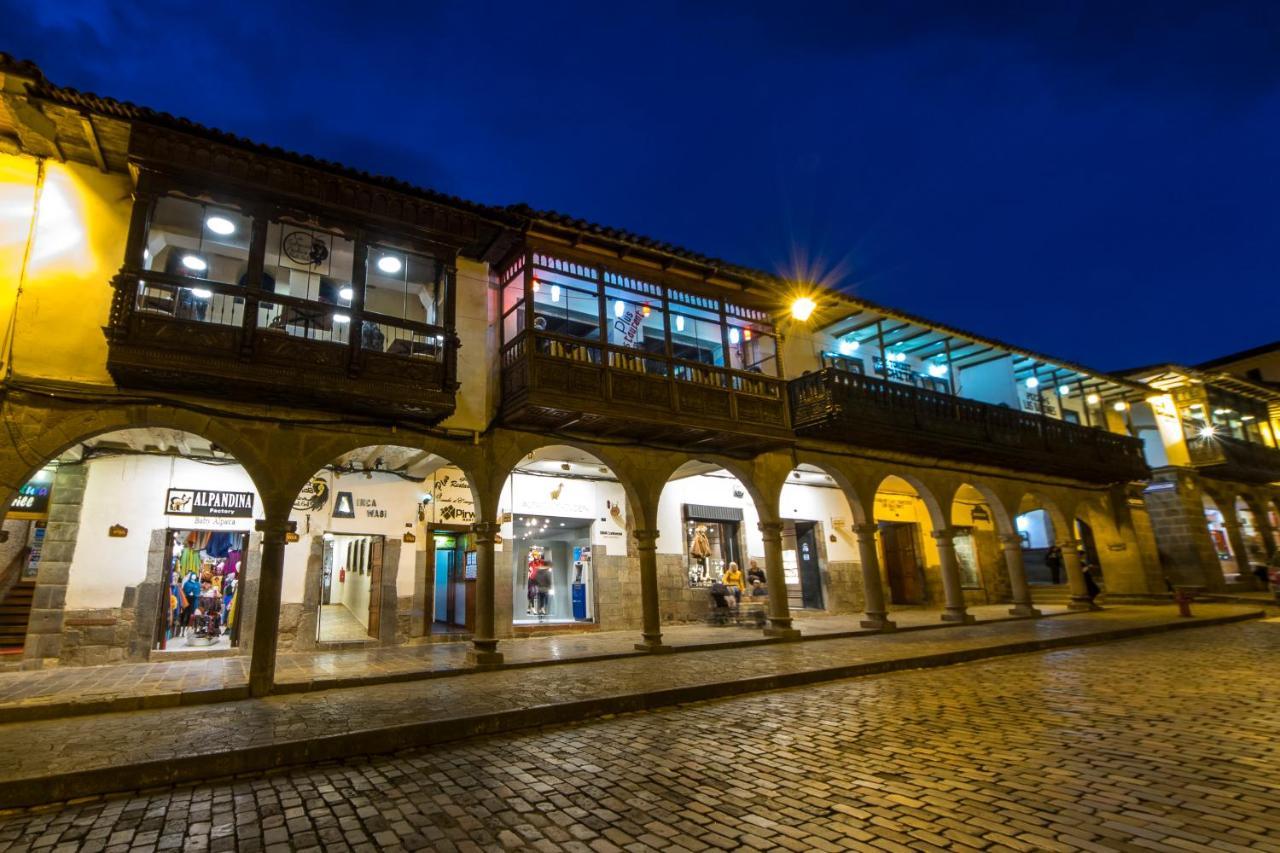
1163 743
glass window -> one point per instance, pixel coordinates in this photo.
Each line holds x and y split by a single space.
695 336
752 348
307 262
635 322
513 308
565 305
407 286
201 241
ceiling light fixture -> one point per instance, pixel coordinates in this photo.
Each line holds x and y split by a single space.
220 225
341 318
195 262
1033 383
347 293
201 293
390 264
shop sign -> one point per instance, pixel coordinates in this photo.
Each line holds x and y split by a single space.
117 531
212 504
345 506
313 497
410 538
31 502
290 536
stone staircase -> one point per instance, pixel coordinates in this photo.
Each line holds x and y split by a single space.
1043 594
15 610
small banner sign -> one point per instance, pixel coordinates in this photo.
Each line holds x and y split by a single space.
205 503
117 531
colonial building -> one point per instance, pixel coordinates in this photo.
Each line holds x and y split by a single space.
253 400
1215 483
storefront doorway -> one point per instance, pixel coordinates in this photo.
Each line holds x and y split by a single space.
351 586
453 582
552 577
802 565
711 542
902 562
200 596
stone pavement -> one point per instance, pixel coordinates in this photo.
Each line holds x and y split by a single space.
55 759
1167 743
67 691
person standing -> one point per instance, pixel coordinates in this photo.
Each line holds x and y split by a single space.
755 575
1053 560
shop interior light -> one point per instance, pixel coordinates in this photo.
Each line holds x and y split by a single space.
937 371
679 323
555 293
537 285
1246 417
746 334
347 293
220 225
898 357
201 293
1033 383
1092 399
619 308
195 263
1120 405
734 336
1208 431
848 346
390 264
341 318
802 308
644 309
1064 391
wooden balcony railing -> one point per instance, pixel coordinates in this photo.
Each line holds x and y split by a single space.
1231 458
173 333
552 380
849 407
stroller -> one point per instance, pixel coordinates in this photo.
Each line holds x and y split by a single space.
721 607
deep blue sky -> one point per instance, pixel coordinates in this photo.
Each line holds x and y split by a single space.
1095 181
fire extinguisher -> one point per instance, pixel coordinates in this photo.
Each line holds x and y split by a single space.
342 575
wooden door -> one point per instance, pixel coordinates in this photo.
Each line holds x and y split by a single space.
375 586
901 563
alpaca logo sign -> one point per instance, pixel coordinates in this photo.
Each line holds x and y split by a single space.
209 504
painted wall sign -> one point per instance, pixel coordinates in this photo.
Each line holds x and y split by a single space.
344 506
202 502
314 496
117 531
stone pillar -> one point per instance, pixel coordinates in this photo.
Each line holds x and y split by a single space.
872 590
266 626
954 610
1267 533
49 598
1235 535
779 611
647 545
1022 606
484 645
1075 576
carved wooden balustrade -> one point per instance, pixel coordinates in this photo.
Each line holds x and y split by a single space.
838 405
1230 458
175 334
554 382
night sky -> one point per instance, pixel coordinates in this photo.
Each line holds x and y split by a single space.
1094 181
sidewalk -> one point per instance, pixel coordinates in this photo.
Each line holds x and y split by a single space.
51 760
44 694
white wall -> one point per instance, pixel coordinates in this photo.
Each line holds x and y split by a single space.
708 490
603 502
354 590
130 491
1038 527
827 505
395 513
990 383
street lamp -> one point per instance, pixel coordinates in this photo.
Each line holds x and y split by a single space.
802 308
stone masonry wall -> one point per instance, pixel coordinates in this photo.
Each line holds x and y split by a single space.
44 630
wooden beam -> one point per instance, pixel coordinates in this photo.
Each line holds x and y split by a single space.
91 137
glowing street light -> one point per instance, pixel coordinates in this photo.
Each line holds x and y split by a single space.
802 308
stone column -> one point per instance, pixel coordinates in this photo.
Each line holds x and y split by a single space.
43 645
779 612
484 645
266 626
1022 606
1267 534
1075 576
1235 535
872 590
647 546
954 610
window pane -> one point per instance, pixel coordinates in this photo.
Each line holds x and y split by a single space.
695 336
405 286
636 322
565 310
752 348
199 241
306 262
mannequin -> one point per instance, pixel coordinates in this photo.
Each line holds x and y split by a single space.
543 582
531 580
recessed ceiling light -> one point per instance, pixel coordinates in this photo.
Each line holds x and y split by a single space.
390 264
201 293
341 318
194 262
220 225
347 293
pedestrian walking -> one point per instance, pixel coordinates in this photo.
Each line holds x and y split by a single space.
1053 560
1091 587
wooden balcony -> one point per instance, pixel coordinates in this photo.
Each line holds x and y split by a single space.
553 382
170 333
851 408
1229 458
